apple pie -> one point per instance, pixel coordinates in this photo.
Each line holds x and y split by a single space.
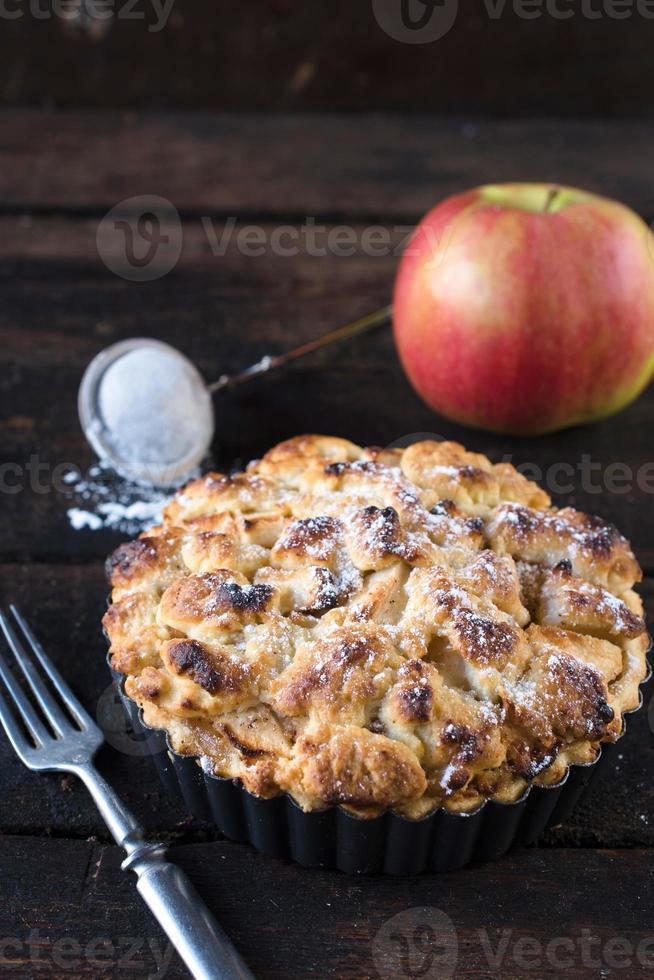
382 629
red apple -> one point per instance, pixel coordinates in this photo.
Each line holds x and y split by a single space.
527 307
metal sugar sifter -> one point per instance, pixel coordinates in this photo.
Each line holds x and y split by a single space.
147 411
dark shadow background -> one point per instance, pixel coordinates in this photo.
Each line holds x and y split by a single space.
500 57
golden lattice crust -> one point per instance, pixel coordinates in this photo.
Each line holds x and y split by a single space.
383 629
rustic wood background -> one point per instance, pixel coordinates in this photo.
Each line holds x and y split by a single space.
59 174
552 57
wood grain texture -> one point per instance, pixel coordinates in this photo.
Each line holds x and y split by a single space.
278 55
375 167
287 922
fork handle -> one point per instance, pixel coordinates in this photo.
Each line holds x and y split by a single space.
174 902
206 950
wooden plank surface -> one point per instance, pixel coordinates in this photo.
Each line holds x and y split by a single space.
536 913
499 58
59 174
381 166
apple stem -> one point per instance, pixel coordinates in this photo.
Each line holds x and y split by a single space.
551 197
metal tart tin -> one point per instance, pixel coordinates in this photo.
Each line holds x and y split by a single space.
333 839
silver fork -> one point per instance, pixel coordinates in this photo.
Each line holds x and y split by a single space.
62 737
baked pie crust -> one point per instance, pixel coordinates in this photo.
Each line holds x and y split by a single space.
398 629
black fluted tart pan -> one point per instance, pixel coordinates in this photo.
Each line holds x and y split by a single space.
333 839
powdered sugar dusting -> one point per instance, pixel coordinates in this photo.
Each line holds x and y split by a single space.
617 611
80 519
101 500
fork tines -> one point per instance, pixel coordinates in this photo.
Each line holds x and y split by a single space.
61 710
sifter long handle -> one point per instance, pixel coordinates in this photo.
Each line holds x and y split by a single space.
269 362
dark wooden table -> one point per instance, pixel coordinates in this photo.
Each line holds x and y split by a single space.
66 907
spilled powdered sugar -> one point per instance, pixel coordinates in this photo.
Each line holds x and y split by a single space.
102 500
